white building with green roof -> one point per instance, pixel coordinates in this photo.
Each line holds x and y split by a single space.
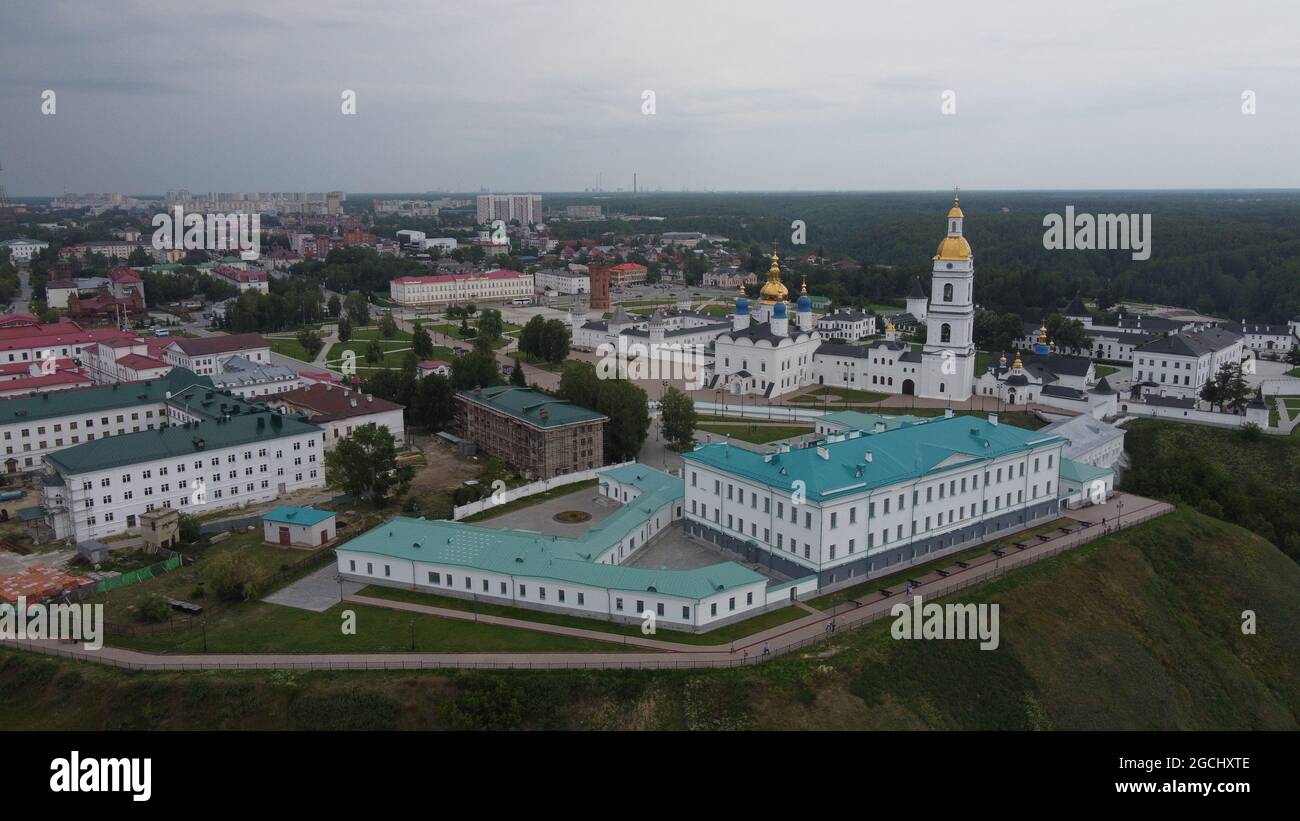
585 576
203 450
861 503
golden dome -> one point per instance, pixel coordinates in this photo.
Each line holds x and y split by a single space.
953 248
1042 334
889 325
955 211
1002 360
773 290
1017 364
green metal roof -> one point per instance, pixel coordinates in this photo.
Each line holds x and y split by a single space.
528 404
177 441
1079 472
908 452
287 514
537 555
97 400
866 422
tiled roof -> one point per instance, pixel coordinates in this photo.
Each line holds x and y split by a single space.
206 345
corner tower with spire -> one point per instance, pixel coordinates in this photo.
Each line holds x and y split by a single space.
948 359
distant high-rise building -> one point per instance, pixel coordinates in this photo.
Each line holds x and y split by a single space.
527 208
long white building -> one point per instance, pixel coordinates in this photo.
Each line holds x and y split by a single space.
449 288
861 502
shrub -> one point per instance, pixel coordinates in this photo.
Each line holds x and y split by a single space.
233 577
155 609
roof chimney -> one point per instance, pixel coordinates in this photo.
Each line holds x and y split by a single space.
869 457
993 419
947 413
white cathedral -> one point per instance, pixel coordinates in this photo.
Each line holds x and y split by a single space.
764 354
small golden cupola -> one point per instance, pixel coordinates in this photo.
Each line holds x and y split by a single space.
954 246
773 291
1002 361
1017 365
1042 334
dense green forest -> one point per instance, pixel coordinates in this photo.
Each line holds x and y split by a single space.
1233 254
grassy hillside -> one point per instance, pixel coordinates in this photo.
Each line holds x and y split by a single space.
1250 480
1139 630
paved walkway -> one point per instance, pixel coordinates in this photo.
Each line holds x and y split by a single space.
766 644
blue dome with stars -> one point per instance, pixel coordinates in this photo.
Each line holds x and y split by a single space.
742 306
778 310
805 304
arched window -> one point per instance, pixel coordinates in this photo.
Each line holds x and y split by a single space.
945 332
947 292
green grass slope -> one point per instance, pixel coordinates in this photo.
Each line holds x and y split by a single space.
1139 630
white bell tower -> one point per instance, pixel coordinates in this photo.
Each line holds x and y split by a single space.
948 360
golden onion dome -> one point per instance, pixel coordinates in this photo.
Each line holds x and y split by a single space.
889 325
955 211
1042 334
773 291
953 248
1017 364
1002 360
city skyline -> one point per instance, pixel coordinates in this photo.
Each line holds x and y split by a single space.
501 97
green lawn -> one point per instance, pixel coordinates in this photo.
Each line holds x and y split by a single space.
289 347
848 396
258 627
453 332
757 434
1104 370
1294 371
1292 404
721 635
395 349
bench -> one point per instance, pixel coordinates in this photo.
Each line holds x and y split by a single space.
185 607
943 574
999 552
963 565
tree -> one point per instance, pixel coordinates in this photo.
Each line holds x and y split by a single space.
489 324
629 418
345 329
139 258
421 342
374 352
365 465
335 305
579 384
388 327
530 337
555 341
517 375
433 403
677 419
476 369
358 308
310 342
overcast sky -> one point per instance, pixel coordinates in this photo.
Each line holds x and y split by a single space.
543 96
